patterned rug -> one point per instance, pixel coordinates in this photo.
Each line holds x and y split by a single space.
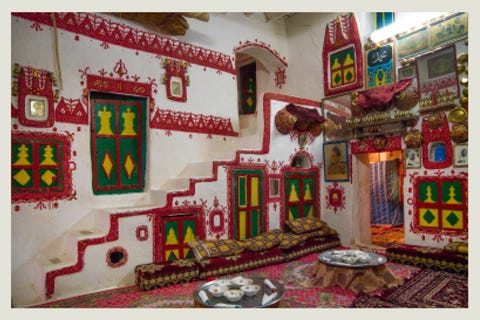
426 289
290 274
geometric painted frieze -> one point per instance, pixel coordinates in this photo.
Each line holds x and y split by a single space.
71 111
189 122
97 27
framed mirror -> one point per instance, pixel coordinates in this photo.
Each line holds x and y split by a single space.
337 110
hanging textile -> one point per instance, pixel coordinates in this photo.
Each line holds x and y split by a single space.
384 193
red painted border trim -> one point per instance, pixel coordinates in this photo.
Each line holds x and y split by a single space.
97 27
262 45
190 122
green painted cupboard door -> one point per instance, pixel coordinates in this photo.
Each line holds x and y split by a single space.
300 195
177 233
248 203
118 144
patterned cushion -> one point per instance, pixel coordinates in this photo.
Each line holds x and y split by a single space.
264 241
290 240
306 224
457 247
156 275
428 257
247 260
322 232
214 248
311 245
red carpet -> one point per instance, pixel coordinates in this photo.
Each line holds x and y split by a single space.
291 274
426 289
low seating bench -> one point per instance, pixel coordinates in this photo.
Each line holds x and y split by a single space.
223 258
448 259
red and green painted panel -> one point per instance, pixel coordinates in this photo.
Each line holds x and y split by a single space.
177 233
36 165
248 90
342 67
248 203
300 195
118 144
441 204
39 166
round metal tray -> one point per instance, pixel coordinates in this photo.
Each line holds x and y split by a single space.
245 302
374 259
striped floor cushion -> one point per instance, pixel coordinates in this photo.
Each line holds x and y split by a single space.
428 257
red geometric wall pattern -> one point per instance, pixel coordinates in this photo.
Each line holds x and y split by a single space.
108 31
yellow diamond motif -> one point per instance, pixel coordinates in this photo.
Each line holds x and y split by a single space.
107 164
250 101
129 165
48 177
22 177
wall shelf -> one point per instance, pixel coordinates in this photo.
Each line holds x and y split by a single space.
387 127
437 108
404 120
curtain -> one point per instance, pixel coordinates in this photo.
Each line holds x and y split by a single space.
384 193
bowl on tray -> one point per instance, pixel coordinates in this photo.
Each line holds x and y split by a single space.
233 295
250 289
217 290
241 281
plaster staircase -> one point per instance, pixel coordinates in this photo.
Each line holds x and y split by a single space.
64 254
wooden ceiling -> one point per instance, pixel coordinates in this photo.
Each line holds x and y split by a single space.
172 23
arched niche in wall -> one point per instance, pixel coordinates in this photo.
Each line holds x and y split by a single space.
301 160
255 63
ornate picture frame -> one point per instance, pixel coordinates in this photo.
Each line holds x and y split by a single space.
380 65
336 161
412 44
437 75
176 80
413 158
448 30
35 98
408 72
460 155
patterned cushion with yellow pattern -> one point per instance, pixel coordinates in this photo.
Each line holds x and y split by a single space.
290 240
214 248
322 232
306 224
457 247
264 241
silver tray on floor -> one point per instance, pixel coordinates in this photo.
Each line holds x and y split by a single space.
246 301
351 258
